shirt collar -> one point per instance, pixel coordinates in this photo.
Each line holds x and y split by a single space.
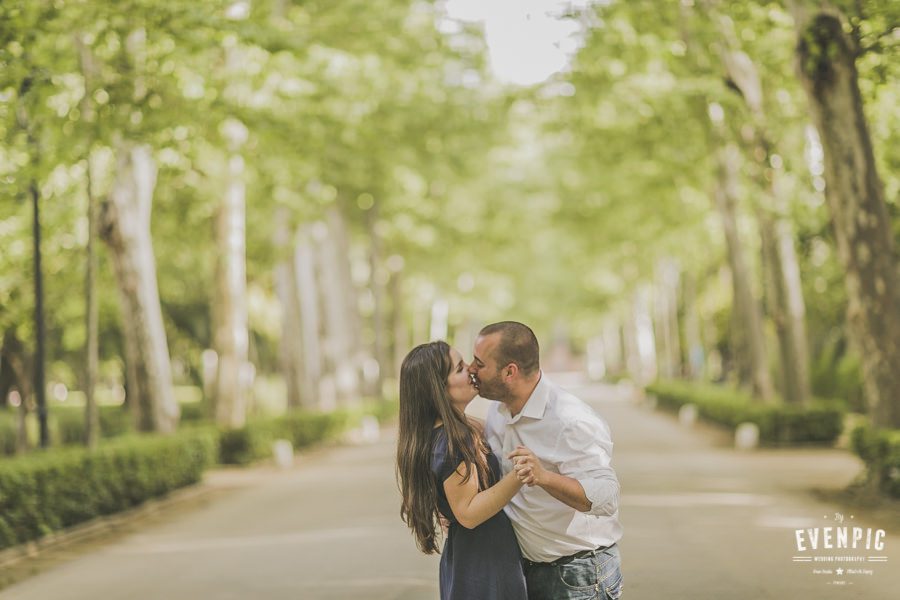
536 404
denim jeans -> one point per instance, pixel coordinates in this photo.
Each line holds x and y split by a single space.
597 577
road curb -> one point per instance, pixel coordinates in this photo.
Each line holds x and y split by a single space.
106 524
101 525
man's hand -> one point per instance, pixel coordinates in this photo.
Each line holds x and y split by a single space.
528 468
531 472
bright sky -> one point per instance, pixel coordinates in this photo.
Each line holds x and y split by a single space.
527 42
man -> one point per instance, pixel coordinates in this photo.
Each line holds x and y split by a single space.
567 516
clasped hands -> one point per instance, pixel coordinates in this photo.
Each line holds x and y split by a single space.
527 466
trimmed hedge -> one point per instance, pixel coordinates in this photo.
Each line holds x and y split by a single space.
779 424
194 412
68 422
303 428
385 410
880 450
45 492
254 440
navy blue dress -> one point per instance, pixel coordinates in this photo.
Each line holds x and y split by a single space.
484 562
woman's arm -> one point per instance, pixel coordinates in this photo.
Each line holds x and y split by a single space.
471 507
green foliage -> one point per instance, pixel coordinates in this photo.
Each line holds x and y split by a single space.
880 450
7 433
837 373
779 424
821 45
302 428
386 410
306 429
254 440
67 423
341 101
249 443
579 184
194 412
49 491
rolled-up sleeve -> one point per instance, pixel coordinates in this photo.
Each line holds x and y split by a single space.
584 453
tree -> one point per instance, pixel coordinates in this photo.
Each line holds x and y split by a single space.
749 340
91 350
34 196
126 230
786 305
826 65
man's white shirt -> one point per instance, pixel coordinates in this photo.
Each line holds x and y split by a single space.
569 438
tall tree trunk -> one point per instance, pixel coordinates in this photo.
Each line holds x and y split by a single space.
353 379
92 320
440 319
125 222
640 343
826 59
695 352
800 386
400 342
7 375
231 337
91 351
308 293
747 318
379 277
291 343
40 388
611 336
630 344
340 310
421 317
13 354
666 319
773 296
326 297
786 303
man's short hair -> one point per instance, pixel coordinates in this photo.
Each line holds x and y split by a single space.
518 345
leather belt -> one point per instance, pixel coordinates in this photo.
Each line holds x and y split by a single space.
564 559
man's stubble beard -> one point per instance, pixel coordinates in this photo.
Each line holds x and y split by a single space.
494 389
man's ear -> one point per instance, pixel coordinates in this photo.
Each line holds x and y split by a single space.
511 370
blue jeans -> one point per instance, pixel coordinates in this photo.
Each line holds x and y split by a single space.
597 577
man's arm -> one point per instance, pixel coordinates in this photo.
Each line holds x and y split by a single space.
586 481
565 489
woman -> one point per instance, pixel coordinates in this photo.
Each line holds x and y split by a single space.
445 468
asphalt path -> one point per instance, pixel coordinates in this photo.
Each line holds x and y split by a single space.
702 521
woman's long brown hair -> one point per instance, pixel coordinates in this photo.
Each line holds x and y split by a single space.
423 400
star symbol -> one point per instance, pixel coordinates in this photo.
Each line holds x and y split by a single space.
840 571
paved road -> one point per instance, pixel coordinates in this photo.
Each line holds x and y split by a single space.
701 522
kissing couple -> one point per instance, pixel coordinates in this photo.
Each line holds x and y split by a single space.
528 498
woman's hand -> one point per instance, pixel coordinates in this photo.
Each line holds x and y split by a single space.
527 466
